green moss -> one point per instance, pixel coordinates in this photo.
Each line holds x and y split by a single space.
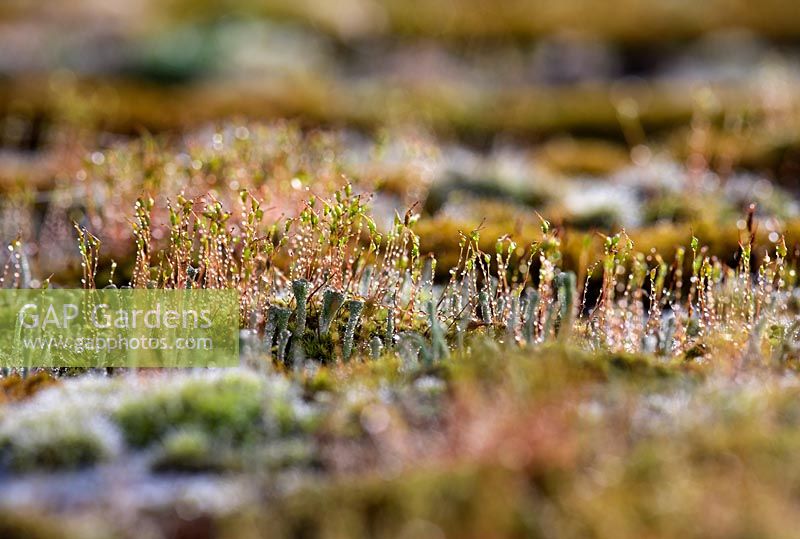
319 381
188 450
227 408
291 418
636 366
320 348
55 442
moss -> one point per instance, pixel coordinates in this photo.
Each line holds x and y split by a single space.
697 351
601 218
672 208
637 365
320 348
291 418
286 454
31 442
320 381
465 502
484 189
226 408
571 156
188 450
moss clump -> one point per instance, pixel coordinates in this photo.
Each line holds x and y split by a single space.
637 366
320 348
31 441
228 407
188 450
319 381
288 417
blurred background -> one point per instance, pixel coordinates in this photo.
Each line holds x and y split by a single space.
602 114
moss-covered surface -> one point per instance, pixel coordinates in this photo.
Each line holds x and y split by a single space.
551 442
